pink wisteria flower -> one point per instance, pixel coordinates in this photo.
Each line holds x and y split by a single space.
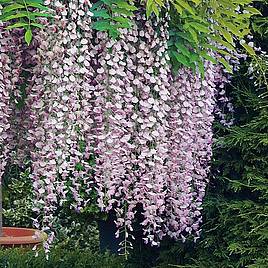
117 101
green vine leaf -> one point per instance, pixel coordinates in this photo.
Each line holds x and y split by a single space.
101 14
12 7
37 25
17 25
226 65
112 15
33 4
12 17
186 6
24 14
249 49
28 36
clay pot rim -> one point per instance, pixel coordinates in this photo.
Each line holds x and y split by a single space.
23 240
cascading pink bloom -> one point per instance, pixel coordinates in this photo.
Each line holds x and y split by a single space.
14 119
22 61
150 132
132 90
153 134
6 88
191 118
117 100
60 100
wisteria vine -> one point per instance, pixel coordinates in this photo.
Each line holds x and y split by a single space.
117 101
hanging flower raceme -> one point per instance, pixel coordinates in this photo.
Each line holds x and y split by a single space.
153 134
22 62
132 92
60 100
191 118
150 132
13 118
6 88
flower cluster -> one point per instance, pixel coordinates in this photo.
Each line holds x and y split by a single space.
6 88
15 59
153 133
88 96
131 132
191 118
60 102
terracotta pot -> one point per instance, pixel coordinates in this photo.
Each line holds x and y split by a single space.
21 237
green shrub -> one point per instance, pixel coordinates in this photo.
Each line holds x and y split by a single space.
17 197
60 258
74 230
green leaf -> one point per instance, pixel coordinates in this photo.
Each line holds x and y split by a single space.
222 42
123 22
12 7
201 68
223 52
253 10
122 11
38 25
121 19
249 49
17 25
101 13
181 58
160 3
114 33
33 1
183 49
101 25
15 16
220 51
226 35
33 15
28 36
194 35
245 32
199 27
121 25
95 6
204 55
187 37
175 64
33 4
231 27
155 10
5 2
194 57
230 13
108 2
178 8
197 2
149 8
210 47
185 5
126 6
226 65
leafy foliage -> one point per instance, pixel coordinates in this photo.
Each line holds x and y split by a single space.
17 200
112 15
237 220
59 258
24 14
198 27
74 230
